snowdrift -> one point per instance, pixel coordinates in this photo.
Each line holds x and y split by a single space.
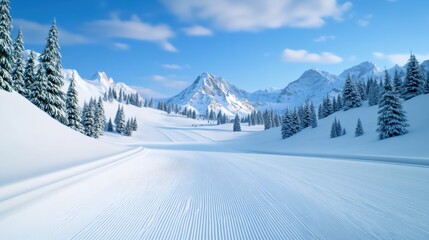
33 143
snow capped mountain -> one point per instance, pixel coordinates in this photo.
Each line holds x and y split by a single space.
88 88
312 85
362 71
211 92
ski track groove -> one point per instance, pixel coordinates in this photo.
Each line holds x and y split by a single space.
214 196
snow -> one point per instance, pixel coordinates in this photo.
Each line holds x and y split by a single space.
179 178
30 149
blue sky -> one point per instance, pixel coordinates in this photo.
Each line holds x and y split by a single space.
162 46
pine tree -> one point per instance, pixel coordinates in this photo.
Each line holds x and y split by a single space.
267 120
120 125
134 124
351 96
374 93
296 122
93 108
18 66
117 116
72 107
397 83
334 132
320 112
29 75
37 89
339 129
128 131
100 118
313 117
6 58
109 125
236 127
361 89
392 119
50 60
413 83
88 121
359 129
287 125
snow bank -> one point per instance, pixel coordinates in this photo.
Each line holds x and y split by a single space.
33 143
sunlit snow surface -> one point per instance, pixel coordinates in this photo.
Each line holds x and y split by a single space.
175 180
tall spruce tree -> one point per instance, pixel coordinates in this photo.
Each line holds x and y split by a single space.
100 118
72 107
128 130
29 75
50 60
267 120
397 83
6 58
359 129
287 125
413 83
313 117
88 121
236 126
351 96
109 127
334 132
18 66
392 120
37 89
120 125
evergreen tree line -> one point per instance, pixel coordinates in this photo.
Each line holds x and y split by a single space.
122 126
93 118
300 118
256 118
336 129
133 99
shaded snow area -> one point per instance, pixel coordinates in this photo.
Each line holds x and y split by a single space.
178 178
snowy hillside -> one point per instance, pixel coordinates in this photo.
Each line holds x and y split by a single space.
34 143
317 141
215 93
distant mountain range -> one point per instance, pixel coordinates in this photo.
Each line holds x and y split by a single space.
211 92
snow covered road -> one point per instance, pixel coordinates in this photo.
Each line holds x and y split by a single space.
199 193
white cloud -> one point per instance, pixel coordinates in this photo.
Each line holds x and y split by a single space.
253 15
133 29
398 58
121 46
304 56
198 31
169 81
172 66
36 33
324 38
364 22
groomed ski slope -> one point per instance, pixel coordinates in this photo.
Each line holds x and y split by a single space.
200 183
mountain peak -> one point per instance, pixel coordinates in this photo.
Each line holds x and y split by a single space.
362 71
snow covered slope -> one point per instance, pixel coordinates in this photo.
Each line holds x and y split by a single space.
211 92
33 143
317 141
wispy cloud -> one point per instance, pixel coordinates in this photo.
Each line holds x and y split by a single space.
398 58
364 21
121 46
303 56
172 66
134 29
324 38
253 15
198 31
169 81
36 33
